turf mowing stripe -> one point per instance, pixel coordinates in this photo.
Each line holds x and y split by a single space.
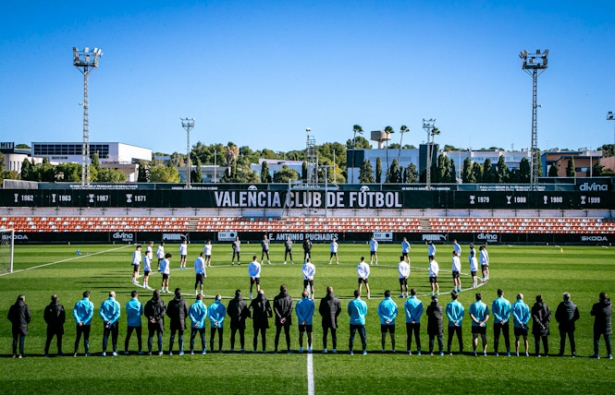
64 260
310 374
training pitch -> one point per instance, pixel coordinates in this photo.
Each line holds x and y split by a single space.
42 270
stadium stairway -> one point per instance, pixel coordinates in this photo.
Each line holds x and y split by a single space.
192 224
426 225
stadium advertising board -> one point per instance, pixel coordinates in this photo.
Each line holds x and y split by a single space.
296 236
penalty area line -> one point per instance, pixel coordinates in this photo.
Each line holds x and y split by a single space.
63 260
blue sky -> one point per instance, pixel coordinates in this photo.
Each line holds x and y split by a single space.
258 73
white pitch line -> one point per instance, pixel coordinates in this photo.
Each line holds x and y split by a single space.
63 260
310 374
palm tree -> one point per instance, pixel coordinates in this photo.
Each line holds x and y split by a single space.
356 129
389 130
403 129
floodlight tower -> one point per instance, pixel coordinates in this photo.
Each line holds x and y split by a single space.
534 64
429 126
611 117
188 124
85 61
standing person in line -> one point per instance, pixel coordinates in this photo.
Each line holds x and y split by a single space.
373 251
150 247
254 271
207 250
109 312
283 308
387 311
177 312
309 270
541 317
216 314
160 253
238 311
484 262
305 311
404 272
261 312
500 308
183 254
333 247
83 312
603 311
155 311
456 247
363 273
307 248
473 269
405 250
434 270
329 309
147 268
431 249
472 250
197 313
19 315
414 311
566 315
134 311
236 251
454 313
521 316
265 250
54 316
165 269
199 270
288 250
479 312
136 261
434 325
357 310
456 270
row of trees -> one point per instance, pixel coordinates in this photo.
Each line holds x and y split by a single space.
68 172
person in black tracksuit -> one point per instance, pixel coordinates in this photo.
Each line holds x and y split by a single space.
238 311
329 309
434 325
177 312
283 307
541 317
54 316
155 310
566 315
19 315
261 312
602 324
307 248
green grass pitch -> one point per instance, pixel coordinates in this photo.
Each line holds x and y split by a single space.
582 271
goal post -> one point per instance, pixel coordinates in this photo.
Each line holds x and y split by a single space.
7 246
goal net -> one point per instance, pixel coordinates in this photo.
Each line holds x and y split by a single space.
7 245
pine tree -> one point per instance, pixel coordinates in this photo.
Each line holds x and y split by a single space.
466 171
378 170
412 174
524 171
366 173
502 175
553 170
570 169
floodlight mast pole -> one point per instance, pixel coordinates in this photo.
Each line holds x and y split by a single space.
611 117
534 64
188 124
84 61
428 125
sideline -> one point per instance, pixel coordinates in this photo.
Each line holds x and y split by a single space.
310 374
65 260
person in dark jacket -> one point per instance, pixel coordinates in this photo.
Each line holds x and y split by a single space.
566 315
307 248
283 308
434 325
602 324
155 310
54 316
329 309
237 310
177 312
541 317
261 312
19 315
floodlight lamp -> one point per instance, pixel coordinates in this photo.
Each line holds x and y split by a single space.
610 116
86 49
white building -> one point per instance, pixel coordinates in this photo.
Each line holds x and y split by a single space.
276 165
